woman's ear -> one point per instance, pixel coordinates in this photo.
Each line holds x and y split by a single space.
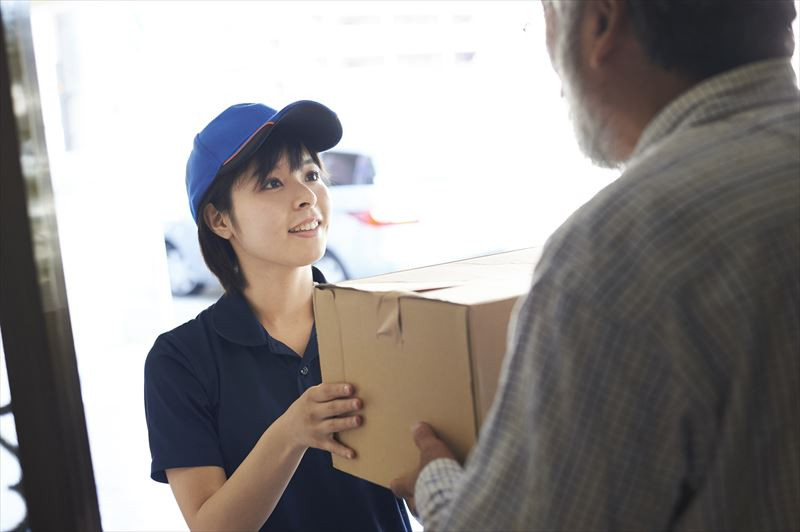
217 221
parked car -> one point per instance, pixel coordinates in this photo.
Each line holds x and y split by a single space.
374 229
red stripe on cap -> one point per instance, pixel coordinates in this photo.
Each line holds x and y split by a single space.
245 143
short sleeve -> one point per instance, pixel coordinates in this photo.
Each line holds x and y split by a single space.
179 410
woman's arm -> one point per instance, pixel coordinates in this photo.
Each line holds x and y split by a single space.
244 501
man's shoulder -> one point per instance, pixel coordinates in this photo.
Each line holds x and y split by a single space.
699 191
701 170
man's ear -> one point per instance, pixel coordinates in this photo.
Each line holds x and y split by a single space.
217 221
605 25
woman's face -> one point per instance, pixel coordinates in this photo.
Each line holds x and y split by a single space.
281 219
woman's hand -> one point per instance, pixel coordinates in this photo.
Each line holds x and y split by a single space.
322 411
244 501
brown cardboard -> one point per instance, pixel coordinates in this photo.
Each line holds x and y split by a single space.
419 345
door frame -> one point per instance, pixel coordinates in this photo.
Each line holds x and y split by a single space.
57 476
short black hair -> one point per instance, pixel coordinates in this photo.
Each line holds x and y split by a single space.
702 38
217 251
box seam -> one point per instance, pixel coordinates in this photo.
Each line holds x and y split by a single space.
473 378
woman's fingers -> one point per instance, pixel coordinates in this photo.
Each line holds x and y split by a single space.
329 408
340 424
322 393
334 447
337 408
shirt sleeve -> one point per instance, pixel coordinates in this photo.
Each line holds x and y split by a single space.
580 435
435 485
179 411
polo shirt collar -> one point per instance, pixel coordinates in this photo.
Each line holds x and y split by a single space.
750 86
234 320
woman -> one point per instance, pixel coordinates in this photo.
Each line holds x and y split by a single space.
238 421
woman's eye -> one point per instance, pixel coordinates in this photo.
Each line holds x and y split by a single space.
313 176
269 182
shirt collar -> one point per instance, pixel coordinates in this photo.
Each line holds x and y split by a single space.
754 85
235 321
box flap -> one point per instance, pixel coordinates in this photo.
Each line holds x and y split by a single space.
457 272
394 286
486 291
471 281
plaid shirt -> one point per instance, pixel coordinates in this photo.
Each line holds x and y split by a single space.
653 374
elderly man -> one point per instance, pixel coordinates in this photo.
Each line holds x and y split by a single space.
653 377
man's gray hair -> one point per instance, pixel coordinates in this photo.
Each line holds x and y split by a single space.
566 8
568 13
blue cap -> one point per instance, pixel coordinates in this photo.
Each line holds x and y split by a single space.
241 129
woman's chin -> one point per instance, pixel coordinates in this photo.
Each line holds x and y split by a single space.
311 258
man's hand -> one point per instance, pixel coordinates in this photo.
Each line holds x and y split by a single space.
430 448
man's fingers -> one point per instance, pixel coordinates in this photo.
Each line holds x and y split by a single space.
403 487
429 445
412 507
424 436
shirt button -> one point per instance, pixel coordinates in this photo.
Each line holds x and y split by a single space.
304 370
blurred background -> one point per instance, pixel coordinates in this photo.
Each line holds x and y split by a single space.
456 144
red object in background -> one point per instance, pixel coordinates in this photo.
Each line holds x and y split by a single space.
368 218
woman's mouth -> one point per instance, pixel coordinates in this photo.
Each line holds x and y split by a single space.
305 227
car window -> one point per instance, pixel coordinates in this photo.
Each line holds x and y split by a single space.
348 168
364 171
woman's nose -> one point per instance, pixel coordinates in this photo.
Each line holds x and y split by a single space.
305 197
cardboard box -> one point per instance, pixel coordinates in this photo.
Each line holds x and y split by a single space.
419 345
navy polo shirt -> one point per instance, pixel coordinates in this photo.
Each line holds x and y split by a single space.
214 385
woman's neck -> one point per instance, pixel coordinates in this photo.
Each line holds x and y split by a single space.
281 297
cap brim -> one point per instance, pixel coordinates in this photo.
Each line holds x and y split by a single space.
316 126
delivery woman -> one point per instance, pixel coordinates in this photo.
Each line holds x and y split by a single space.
239 422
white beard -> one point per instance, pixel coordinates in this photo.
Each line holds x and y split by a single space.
592 127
